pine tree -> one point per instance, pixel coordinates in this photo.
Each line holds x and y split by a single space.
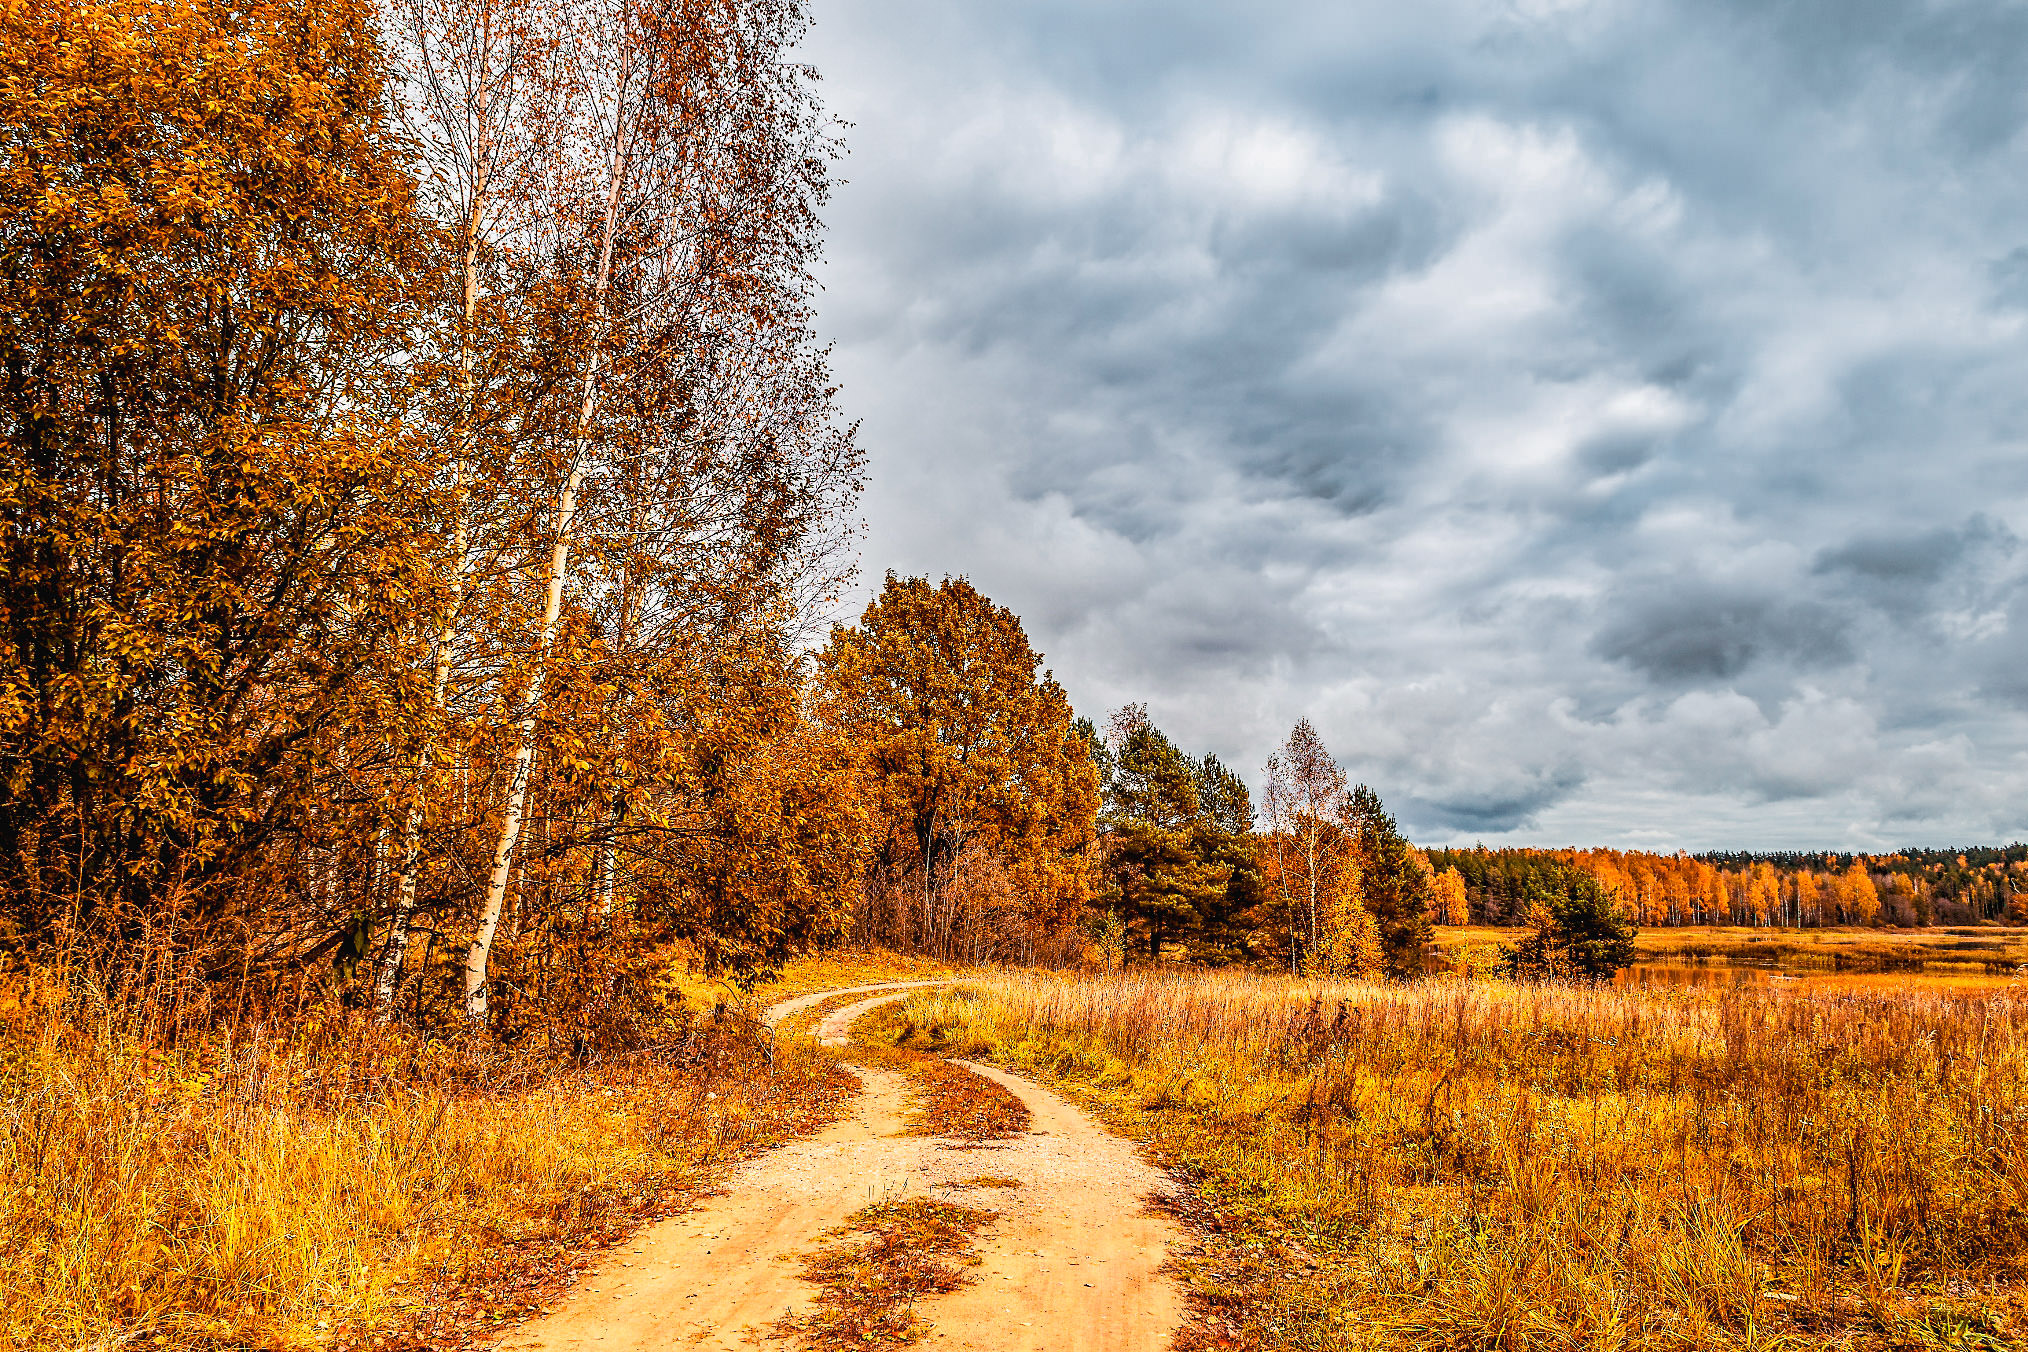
1152 831
1394 881
1580 931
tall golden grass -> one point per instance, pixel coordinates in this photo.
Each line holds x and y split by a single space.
256 1187
1980 948
1509 1166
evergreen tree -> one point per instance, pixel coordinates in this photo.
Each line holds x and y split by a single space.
1394 881
1226 839
1158 849
1581 933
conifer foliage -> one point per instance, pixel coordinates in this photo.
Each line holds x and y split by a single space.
1579 932
1177 842
1396 886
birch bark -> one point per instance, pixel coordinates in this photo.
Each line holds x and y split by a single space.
479 953
480 136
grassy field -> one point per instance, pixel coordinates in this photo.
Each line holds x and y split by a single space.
1984 949
1451 1164
1479 1165
334 1184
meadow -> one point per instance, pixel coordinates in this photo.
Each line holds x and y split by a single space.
1478 1164
1972 950
1449 1164
335 1183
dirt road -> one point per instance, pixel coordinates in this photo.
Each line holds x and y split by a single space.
1072 1265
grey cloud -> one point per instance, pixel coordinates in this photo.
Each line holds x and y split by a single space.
1931 579
2010 280
1605 420
2003 659
1913 559
1493 809
1696 633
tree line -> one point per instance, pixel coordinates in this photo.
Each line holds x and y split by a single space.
1795 890
420 475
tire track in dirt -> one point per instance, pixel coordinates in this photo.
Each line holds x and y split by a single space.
1073 1264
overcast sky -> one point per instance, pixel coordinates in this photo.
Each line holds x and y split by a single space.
1607 421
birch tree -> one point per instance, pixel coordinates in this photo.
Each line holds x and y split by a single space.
681 189
473 77
1301 788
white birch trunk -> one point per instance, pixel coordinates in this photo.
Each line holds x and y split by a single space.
388 981
606 871
478 954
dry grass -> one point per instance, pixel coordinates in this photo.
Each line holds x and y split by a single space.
892 1254
842 967
1474 1165
336 1184
944 1099
1980 948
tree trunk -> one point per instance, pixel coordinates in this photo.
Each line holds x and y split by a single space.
474 225
481 948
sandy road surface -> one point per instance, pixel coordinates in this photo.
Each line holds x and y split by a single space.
1072 1266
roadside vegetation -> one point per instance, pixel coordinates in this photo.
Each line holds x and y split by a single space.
1486 1164
336 1182
328 1182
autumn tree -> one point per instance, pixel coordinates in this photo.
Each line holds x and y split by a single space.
1307 858
473 90
965 743
1449 904
672 442
214 523
1858 900
412 528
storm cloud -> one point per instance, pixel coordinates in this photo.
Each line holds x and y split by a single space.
1607 421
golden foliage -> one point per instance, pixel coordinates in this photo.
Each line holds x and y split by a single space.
407 529
965 748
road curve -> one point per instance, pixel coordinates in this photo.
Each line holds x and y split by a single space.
1072 1266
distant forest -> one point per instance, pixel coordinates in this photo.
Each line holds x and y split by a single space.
1791 888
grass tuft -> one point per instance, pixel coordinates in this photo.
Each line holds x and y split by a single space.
946 1100
892 1254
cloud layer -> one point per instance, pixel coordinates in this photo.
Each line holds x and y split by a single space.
1608 421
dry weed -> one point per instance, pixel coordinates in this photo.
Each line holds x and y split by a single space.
893 1254
1488 1165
